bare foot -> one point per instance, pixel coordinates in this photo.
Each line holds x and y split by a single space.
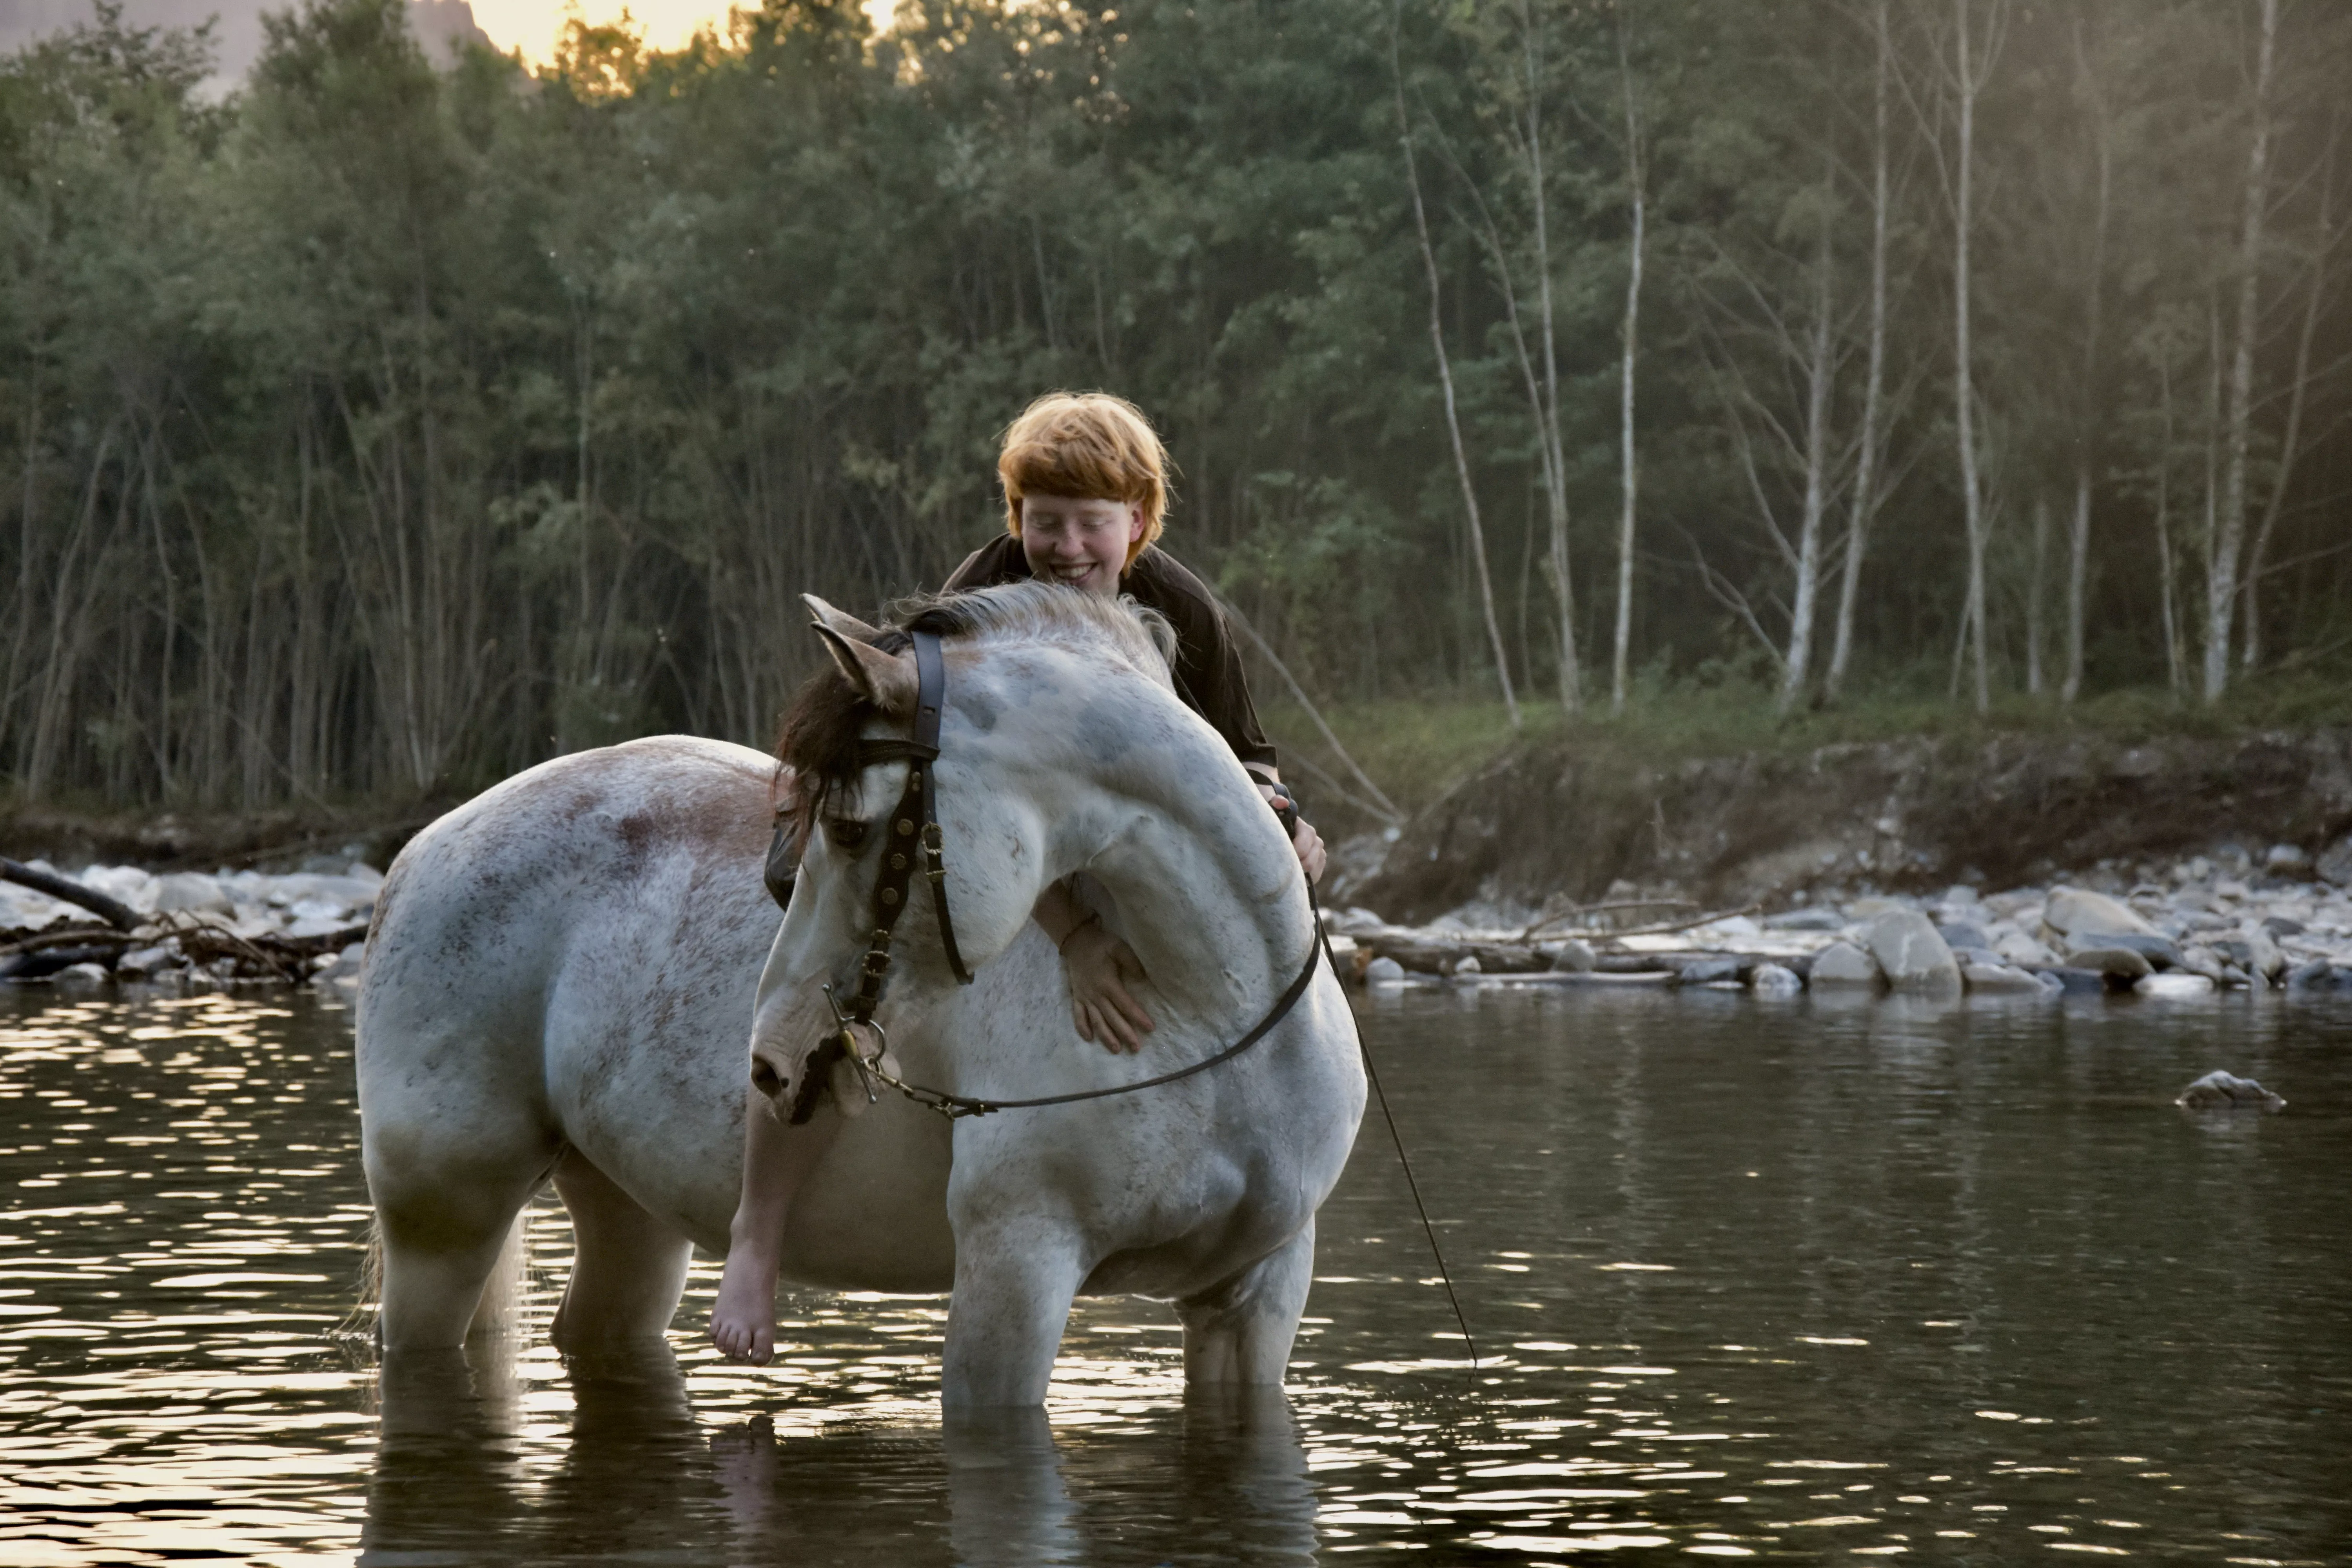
744 1319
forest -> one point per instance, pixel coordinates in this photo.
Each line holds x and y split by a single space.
396 422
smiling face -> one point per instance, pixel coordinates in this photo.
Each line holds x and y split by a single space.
1080 541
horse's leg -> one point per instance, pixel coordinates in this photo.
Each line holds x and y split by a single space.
1013 1286
629 1268
446 1205
1239 1330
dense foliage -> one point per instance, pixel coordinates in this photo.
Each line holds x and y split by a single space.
394 423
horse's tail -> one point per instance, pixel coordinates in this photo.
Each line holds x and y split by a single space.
358 1324
500 1312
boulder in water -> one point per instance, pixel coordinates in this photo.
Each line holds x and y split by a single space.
1910 953
2121 963
1570 957
1771 980
1843 967
2000 980
2077 911
2225 1091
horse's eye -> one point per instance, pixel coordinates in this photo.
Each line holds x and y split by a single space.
847 836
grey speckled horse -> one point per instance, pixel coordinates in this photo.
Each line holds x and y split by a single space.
565 969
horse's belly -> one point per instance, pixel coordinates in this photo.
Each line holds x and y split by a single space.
874 1214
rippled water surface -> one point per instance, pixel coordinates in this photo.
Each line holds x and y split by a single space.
1794 1282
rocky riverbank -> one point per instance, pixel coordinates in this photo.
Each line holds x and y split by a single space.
184 930
1573 815
2193 927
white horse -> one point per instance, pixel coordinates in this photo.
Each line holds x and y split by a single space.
561 974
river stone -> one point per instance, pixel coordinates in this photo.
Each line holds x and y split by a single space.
1998 979
2335 865
1384 972
1771 980
2204 960
192 892
1468 965
1913 957
1708 971
1957 934
2310 976
2119 962
1805 920
2285 860
2075 981
2024 951
2280 925
2175 986
2073 911
141 962
1842 965
2160 951
2226 1091
2263 956
1570 957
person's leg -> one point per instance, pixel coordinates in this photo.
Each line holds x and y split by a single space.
777 1157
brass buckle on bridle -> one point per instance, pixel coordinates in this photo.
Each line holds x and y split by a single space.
846 1033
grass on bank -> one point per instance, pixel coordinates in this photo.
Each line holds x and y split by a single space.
1417 748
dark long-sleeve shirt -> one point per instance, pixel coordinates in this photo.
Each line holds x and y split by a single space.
1207 666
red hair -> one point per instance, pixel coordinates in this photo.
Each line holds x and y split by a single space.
1089 445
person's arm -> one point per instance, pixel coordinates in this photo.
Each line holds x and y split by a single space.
1099 967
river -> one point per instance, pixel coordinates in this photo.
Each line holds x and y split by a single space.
1792 1281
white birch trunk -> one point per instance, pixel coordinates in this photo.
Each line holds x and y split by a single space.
1805 600
1866 477
2229 534
1453 416
2291 439
1628 464
2078 534
1963 381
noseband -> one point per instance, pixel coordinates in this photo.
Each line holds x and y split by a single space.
914 822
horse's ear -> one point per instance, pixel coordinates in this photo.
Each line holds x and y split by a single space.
840 620
885 680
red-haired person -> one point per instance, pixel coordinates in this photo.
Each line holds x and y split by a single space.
1086 491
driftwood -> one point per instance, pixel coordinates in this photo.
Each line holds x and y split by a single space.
119 915
1433 952
269 956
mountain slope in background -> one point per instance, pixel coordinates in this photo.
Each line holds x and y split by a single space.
439 25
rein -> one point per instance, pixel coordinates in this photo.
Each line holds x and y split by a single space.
915 822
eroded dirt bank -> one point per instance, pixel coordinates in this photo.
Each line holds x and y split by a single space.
1569 816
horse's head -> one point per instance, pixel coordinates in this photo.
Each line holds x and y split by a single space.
1003 771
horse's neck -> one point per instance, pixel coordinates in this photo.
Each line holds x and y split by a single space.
1205 890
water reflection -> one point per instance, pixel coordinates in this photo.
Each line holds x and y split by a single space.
1786 1280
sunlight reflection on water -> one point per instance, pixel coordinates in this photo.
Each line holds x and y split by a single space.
1778 1282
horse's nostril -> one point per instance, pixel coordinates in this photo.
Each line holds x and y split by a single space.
765 1078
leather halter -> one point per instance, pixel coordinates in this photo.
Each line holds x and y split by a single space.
914 830
914 823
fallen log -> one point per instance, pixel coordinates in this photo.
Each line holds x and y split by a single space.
1429 954
114 912
49 961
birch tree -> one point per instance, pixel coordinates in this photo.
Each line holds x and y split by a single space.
2228 534
1477 533
1629 466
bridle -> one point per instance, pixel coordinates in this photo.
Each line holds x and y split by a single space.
915 826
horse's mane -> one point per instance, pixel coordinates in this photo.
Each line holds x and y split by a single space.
819 740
